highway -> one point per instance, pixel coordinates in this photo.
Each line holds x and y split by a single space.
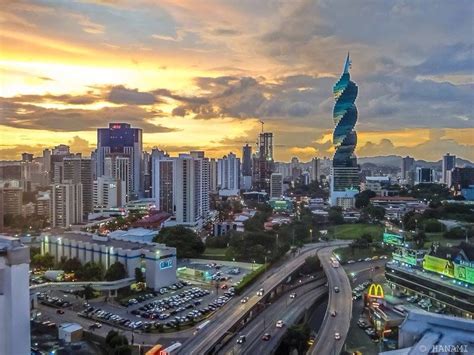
285 309
222 322
341 302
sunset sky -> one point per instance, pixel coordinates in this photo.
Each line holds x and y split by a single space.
201 74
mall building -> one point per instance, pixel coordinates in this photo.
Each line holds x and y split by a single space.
157 261
442 275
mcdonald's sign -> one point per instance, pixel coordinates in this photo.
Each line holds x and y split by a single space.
375 291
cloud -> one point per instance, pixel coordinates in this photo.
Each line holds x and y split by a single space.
78 144
122 95
34 117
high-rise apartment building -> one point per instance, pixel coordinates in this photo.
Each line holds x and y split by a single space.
146 174
78 170
109 192
228 174
276 185
448 164
345 171
213 187
66 204
14 297
12 200
119 139
118 167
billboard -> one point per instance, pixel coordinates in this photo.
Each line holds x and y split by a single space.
460 272
166 264
393 239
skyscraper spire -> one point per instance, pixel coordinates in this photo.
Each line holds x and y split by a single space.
347 65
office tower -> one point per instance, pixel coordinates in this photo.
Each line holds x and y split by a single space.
263 164
109 192
119 139
276 185
345 171
14 297
213 175
424 175
448 164
78 170
27 157
61 149
228 174
295 168
146 174
187 194
247 160
94 164
315 172
162 180
407 165
57 156
12 200
66 204
461 178
205 187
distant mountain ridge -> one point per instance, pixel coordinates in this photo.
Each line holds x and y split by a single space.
395 161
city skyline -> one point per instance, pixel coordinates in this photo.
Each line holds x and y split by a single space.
203 78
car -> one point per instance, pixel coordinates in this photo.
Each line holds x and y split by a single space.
368 259
359 260
241 339
384 257
337 336
244 300
375 257
280 324
350 261
224 287
60 311
293 295
266 337
96 325
333 313
336 289
260 292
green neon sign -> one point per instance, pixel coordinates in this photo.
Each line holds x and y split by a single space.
393 239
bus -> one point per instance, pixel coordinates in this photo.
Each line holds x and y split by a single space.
171 349
202 325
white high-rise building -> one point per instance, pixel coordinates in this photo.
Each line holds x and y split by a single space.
315 171
162 180
118 167
276 185
187 194
66 204
14 297
109 192
228 174
213 175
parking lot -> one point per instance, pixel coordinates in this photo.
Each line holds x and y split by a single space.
173 308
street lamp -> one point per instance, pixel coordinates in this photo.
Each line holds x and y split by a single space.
311 234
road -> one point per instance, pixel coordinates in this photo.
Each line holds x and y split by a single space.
223 321
285 309
341 302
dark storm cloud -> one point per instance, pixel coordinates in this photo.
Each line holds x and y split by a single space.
28 116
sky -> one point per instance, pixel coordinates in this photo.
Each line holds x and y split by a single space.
203 74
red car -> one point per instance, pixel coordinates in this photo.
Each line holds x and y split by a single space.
266 337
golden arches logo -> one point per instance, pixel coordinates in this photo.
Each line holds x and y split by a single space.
375 291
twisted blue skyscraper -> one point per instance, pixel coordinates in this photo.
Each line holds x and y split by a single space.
345 171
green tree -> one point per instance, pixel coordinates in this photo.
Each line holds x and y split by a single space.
420 239
335 215
88 292
433 226
187 243
45 261
296 338
72 265
116 271
458 233
90 272
374 212
362 199
139 277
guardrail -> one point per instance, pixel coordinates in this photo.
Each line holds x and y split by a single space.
98 285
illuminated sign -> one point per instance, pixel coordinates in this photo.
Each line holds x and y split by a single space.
407 256
460 272
393 239
166 264
375 291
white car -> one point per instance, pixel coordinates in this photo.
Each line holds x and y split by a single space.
337 336
280 324
244 300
